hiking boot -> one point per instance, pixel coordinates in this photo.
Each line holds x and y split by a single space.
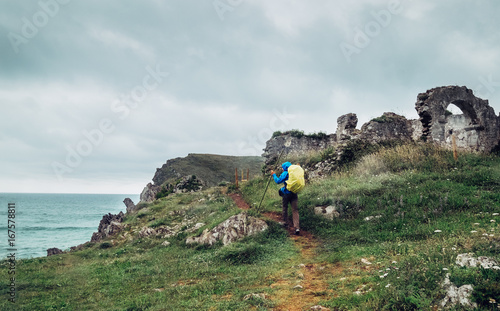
297 231
283 224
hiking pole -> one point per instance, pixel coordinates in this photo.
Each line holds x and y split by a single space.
269 180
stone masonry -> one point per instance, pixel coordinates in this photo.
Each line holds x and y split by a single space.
476 129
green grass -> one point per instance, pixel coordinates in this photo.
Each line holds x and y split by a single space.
141 274
429 209
415 190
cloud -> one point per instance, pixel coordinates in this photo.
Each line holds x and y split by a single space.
230 81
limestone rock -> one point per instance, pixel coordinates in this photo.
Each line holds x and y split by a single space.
295 146
319 308
149 192
488 263
389 126
130 205
253 296
468 260
329 212
54 251
146 231
234 228
346 126
456 295
109 225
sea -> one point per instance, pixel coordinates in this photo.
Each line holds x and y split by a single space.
46 220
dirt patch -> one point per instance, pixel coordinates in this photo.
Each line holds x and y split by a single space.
239 201
301 286
305 285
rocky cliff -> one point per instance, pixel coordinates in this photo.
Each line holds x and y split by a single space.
209 170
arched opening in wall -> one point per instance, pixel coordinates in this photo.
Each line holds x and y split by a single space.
465 108
460 124
453 109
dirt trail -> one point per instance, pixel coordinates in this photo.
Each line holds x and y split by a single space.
301 286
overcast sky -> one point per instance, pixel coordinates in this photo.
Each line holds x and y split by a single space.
95 95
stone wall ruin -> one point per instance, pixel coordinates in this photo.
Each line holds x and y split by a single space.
476 129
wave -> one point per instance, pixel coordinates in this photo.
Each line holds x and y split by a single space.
54 228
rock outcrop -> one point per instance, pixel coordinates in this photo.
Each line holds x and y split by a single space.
54 251
469 260
328 212
296 145
461 295
346 126
130 205
109 225
149 192
233 229
389 126
457 295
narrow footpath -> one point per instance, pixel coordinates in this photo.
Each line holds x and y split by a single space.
301 286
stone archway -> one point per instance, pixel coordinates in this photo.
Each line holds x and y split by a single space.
476 129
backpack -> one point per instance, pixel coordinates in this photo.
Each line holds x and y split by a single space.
295 182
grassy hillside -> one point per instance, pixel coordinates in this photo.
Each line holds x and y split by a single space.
211 168
427 208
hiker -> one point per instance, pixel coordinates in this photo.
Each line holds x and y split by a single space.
288 197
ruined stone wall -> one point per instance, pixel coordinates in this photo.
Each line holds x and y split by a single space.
476 129
289 145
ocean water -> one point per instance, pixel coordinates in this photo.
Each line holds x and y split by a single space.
46 220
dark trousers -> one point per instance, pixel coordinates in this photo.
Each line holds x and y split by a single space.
291 198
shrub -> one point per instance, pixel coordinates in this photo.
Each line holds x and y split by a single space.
384 119
319 135
105 245
296 133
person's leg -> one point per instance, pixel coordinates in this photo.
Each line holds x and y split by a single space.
295 212
284 212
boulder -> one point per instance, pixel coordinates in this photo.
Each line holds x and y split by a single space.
109 225
329 212
233 229
146 231
468 260
54 251
456 295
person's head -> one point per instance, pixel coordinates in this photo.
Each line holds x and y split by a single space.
286 165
